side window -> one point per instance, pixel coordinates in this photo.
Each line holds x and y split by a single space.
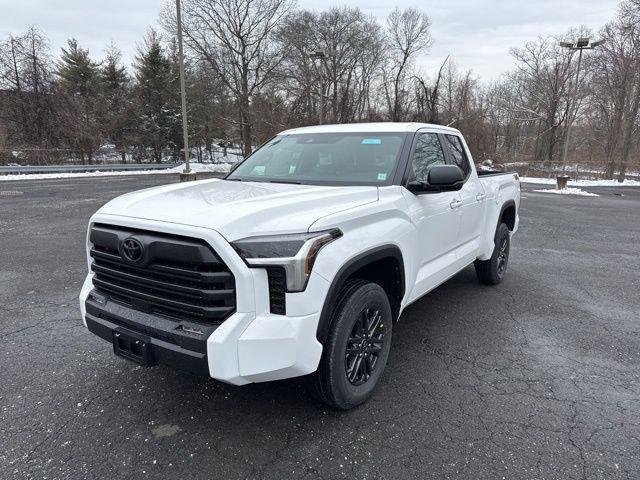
458 154
428 153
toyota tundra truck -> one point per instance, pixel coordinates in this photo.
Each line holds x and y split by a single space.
301 260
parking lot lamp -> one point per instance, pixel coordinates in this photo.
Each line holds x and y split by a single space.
583 43
187 174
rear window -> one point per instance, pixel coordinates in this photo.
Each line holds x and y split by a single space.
458 153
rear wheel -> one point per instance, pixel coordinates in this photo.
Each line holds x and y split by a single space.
492 271
357 348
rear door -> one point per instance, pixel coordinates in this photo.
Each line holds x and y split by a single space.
472 196
435 216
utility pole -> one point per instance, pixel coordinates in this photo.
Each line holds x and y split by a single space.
582 44
319 55
187 174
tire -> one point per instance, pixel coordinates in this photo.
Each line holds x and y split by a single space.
334 383
492 271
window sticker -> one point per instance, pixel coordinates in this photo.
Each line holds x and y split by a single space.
259 170
292 169
382 177
371 141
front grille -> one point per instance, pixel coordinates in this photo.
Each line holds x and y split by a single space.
177 277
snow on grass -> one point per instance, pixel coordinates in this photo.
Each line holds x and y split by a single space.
203 168
583 183
195 167
569 191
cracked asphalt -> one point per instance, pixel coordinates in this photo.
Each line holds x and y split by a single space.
536 378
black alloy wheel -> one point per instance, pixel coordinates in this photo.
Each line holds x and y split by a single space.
503 256
364 346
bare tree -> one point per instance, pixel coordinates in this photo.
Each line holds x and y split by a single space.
545 71
25 75
353 47
409 34
235 37
428 99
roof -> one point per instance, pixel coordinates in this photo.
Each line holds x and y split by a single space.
380 127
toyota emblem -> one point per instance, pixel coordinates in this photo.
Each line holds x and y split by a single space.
132 249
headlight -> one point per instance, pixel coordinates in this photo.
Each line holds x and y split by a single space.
295 253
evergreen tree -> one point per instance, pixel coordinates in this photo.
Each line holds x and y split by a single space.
77 72
79 88
156 100
115 109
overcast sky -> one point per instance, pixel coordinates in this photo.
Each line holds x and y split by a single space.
477 33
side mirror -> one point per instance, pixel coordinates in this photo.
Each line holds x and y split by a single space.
417 187
441 178
445 178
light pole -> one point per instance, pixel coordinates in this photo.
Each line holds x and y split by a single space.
319 55
187 174
581 44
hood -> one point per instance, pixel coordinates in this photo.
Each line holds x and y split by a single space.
240 209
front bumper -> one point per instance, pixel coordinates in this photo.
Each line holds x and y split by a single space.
252 345
162 352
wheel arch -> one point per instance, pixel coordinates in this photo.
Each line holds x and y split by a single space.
367 266
507 215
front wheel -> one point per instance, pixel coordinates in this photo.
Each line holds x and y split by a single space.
357 348
492 271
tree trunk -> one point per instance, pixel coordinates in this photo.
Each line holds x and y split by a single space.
245 114
245 125
395 115
552 144
610 170
628 133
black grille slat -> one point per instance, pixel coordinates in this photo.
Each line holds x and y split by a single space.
175 305
160 286
277 287
179 277
165 273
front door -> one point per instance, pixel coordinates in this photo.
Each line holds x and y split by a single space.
435 216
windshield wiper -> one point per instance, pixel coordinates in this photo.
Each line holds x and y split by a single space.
292 182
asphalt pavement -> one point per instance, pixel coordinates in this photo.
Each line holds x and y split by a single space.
537 378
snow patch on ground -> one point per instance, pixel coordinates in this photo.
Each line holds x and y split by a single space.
583 183
195 167
569 191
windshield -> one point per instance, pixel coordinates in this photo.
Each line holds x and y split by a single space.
324 158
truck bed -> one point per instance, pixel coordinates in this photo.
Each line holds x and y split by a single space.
489 173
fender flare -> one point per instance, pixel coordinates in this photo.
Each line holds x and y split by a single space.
351 266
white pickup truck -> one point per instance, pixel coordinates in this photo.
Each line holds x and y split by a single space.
301 260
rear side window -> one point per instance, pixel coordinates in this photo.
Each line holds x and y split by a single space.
458 155
428 152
